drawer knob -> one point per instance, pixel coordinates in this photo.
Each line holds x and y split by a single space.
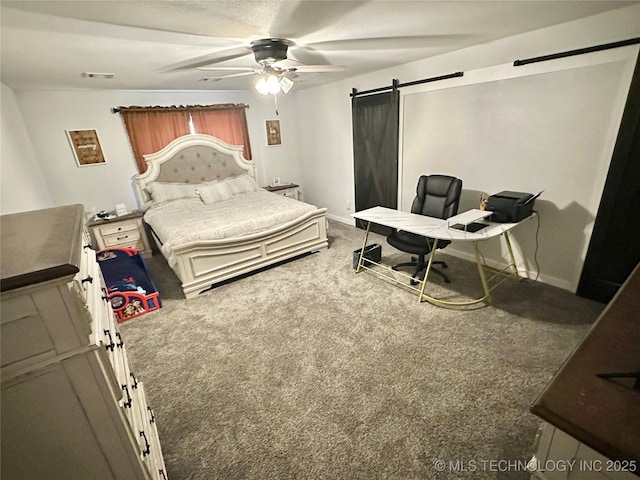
110 345
120 343
152 419
126 404
147 449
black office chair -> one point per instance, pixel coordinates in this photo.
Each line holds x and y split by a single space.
436 196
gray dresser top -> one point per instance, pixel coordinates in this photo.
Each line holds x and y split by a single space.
40 245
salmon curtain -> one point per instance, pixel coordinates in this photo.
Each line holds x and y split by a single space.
152 128
228 124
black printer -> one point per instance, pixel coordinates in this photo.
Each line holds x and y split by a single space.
511 207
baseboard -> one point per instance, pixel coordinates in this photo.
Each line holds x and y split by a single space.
347 221
546 279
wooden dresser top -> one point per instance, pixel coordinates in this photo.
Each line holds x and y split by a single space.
40 245
603 413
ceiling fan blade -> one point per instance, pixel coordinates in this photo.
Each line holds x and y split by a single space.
290 75
294 66
307 56
388 43
301 18
216 57
319 68
217 79
228 69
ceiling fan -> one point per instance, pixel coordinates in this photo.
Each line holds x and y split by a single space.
278 72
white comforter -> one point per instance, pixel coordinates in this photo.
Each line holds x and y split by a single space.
183 221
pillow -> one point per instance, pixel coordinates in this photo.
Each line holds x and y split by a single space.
213 192
242 184
163 192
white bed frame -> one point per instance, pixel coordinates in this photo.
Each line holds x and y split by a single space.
198 158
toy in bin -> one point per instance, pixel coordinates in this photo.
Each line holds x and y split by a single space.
129 286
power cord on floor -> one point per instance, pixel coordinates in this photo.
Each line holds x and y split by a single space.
535 252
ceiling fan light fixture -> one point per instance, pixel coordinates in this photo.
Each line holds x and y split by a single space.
268 85
286 84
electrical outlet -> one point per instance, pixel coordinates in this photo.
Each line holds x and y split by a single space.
276 181
349 206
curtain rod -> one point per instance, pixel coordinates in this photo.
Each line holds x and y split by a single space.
516 63
396 85
578 51
186 107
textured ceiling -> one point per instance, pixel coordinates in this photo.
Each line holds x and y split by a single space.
157 45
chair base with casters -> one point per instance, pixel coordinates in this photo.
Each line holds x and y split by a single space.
415 244
421 265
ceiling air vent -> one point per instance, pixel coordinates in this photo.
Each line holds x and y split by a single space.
97 75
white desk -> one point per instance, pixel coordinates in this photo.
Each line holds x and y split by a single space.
439 229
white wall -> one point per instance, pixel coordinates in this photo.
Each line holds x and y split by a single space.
22 186
498 135
325 113
47 114
316 127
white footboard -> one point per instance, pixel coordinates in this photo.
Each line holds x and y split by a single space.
201 264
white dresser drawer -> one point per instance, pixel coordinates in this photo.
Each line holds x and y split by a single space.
559 456
24 332
34 326
154 458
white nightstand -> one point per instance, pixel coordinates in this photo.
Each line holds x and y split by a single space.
123 231
287 190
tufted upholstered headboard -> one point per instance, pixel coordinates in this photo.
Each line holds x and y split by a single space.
192 158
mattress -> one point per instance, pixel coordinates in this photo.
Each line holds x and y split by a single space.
184 221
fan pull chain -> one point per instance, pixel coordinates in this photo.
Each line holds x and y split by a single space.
275 102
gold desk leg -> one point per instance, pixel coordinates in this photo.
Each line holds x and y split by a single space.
364 244
426 272
483 280
511 257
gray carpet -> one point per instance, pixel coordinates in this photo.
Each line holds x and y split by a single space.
309 371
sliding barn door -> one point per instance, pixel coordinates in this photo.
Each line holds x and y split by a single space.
614 249
375 151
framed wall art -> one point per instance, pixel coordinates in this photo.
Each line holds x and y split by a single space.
274 137
86 147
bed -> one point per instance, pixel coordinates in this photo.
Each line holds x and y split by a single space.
211 220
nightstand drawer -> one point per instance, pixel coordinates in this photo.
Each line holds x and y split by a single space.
292 192
289 190
119 227
126 238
